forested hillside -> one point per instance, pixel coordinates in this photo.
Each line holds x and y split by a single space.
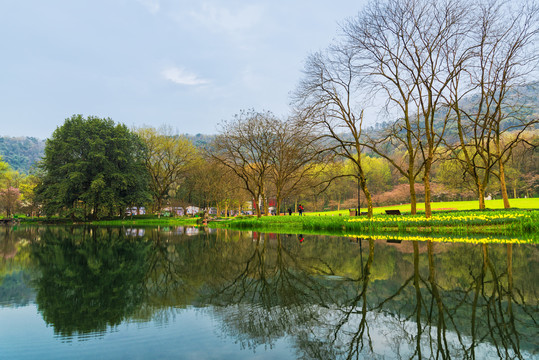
21 153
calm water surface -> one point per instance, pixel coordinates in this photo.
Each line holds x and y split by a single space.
185 293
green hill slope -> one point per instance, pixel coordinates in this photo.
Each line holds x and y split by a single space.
21 153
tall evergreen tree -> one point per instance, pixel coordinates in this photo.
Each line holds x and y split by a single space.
92 167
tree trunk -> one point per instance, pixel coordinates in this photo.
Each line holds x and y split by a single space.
503 186
413 196
367 193
266 207
158 209
426 182
257 208
481 195
278 203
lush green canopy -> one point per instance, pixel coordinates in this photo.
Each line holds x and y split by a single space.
92 166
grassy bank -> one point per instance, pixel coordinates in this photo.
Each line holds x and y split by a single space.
532 203
177 221
446 220
523 223
145 220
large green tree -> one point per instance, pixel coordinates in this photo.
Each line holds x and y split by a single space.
92 167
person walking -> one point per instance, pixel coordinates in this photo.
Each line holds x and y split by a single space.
289 211
300 209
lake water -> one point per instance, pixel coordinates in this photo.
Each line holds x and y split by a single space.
188 293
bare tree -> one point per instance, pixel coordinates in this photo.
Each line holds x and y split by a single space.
216 184
325 99
439 36
294 157
503 59
379 36
403 47
168 158
244 146
510 57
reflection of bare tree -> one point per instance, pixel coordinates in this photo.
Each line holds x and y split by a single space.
260 288
459 304
270 274
272 293
441 349
499 311
477 286
176 271
357 305
419 300
489 304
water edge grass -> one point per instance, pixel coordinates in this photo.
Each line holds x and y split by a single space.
520 223
135 221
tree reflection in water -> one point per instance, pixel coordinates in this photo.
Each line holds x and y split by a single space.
330 297
450 303
91 278
275 292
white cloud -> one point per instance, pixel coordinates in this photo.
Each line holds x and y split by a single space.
153 6
224 19
182 77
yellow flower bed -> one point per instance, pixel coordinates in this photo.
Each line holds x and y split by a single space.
485 240
440 218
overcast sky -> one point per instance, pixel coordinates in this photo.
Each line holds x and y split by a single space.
187 64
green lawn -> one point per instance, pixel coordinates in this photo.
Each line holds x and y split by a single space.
521 225
532 203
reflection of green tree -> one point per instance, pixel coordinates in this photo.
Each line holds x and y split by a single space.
14 260
90 278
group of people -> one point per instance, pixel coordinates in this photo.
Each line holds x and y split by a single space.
300 210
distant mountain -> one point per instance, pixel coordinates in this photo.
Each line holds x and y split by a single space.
200 140
21 153
522 102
